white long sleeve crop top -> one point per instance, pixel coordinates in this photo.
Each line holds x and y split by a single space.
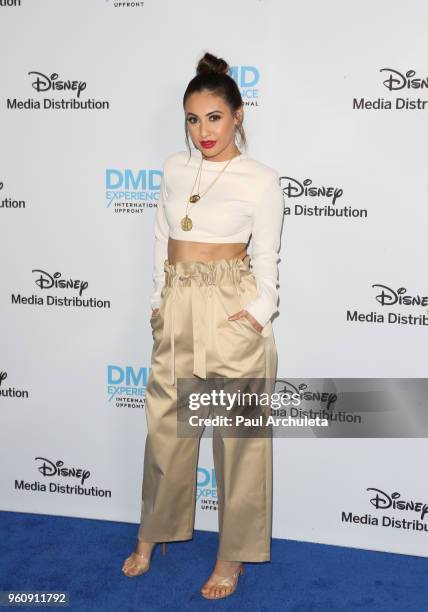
245 200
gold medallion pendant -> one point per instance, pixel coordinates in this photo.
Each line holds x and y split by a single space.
186 223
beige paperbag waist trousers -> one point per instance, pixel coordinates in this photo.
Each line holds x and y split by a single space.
193 337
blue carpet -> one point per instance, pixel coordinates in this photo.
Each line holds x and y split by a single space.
84 557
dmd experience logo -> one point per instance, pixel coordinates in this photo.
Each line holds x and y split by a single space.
247 78
132 191
126 386
206 488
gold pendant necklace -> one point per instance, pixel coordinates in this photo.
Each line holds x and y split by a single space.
186 222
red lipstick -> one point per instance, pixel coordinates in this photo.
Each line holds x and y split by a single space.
208 144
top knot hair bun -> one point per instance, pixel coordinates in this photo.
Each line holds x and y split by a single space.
210 63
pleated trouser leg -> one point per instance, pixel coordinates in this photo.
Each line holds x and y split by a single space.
192 336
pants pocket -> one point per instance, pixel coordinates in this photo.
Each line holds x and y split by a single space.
156 324
247 292
248 323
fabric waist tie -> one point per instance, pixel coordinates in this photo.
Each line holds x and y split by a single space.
199 356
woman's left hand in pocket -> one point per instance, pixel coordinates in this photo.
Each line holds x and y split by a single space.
252 320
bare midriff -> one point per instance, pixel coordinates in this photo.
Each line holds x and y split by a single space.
187 250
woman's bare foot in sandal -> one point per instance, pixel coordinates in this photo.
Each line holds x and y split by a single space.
223 580
139 561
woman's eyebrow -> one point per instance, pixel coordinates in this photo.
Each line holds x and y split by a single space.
210 113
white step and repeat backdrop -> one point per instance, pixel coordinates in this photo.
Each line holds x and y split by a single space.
90 105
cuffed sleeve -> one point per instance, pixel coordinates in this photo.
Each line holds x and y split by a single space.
160 250
266 239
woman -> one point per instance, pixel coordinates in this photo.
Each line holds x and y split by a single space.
211 318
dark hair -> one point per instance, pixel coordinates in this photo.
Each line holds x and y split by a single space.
212 75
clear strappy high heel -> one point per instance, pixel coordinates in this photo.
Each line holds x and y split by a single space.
140 561
230 582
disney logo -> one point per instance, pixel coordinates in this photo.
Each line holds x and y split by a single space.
396 80
383 500
303 392
46 281
48 468
388 296
3 376
44 83
295 189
